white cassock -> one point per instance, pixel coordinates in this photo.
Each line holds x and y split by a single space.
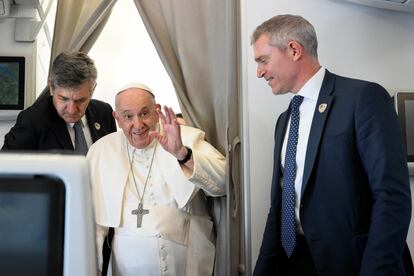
176 236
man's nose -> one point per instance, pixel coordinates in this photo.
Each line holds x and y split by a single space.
137 121
71 107
260 72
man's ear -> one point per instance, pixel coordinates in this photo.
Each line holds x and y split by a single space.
49 84
93 88
295 49
115 115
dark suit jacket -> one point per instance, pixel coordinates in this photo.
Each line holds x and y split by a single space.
40 127
356 204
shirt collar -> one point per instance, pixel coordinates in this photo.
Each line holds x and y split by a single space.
312 87
83 120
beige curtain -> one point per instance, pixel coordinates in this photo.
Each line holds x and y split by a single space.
197 43
77 26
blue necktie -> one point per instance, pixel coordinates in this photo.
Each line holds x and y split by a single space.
288 225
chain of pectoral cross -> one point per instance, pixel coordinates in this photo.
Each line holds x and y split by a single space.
140 211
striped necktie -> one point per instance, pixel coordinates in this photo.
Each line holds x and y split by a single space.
80 142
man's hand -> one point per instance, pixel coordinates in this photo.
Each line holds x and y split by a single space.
170 139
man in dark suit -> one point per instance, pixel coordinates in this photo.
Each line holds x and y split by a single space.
340 199
48 123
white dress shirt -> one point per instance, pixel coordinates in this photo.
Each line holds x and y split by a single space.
310 93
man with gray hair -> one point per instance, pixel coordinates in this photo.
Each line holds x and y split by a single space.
340 200
68 119
149 183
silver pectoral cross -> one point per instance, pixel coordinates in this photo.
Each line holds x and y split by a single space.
139 212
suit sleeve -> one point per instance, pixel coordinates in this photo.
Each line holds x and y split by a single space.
267 261
381 148
22 136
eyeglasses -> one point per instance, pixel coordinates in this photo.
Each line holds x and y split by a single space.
143 115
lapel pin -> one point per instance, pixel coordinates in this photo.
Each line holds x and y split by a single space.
97 126
322 107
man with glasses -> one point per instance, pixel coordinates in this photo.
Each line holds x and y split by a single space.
149 183
51 122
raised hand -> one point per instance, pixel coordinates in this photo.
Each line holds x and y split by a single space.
170 139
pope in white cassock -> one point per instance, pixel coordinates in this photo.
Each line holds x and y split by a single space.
149 183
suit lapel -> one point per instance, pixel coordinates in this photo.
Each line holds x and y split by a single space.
95 124
94 127
277 166
323 106
279 137
58 126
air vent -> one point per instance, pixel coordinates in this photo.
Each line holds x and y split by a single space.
397 1
4 8
396 5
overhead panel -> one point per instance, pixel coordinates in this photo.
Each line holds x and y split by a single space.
396 5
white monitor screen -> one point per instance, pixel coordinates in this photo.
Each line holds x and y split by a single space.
46 215
31 219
